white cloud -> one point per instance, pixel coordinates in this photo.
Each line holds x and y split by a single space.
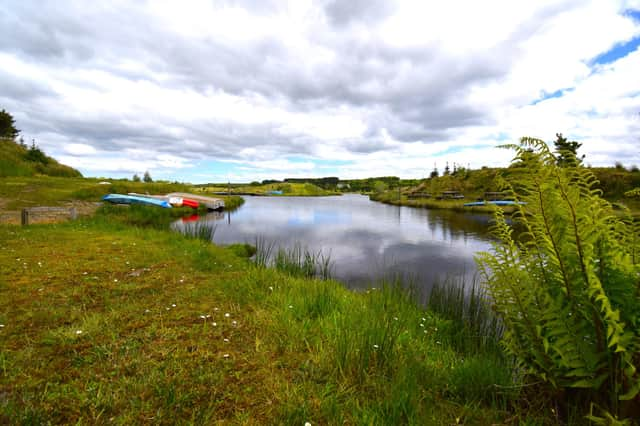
387 87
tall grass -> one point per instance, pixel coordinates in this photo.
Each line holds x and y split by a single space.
200 230
296 261
478 329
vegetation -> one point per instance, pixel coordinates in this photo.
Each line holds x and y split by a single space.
274 189
7 126
18 160
567 288
103 321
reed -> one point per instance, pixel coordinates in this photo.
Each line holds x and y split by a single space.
200 230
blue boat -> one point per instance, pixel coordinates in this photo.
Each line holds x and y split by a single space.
136 199
495 202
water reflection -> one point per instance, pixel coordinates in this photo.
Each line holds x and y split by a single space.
366 240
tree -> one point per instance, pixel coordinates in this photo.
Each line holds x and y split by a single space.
7 126
446 169
136 178
567 151
147 177
35 154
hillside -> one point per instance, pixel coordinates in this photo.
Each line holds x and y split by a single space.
17 160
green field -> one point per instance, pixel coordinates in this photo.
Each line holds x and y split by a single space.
103 321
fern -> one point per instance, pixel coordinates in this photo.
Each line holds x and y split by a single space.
568 287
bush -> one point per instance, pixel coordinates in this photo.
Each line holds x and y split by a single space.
567 287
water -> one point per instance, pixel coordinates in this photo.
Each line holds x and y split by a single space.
366 240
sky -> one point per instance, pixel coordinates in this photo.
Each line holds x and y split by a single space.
214 91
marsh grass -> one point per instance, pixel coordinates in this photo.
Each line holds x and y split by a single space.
295 261
199 230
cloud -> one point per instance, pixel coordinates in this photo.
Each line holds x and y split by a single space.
251 81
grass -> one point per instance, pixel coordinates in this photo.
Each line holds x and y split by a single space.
287 189
108 322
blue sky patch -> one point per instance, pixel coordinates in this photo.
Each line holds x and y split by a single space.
550 95
618 51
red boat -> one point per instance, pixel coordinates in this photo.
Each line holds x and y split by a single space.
187 202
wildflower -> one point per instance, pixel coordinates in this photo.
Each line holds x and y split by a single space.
438 342
421 325
84 273
208 316
78 331
115 280
234 322
1 325
290 306
270 288
202 317
307 423
375 346
173 304
215 309
181 280
146 311
423 319
225 340
215 324
40 264
226 355
395 318
227 315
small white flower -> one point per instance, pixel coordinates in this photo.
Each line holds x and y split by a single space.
84 273
115 280
146 311
421 325
181 280
40 264
1 325
375 346
226 355
425 332
215 309
290 306
307 423
226 340
438 342
208 316
215 324
395 318
227 315
234 322
78 331
173 304
270 288
423 319
167 308
202 317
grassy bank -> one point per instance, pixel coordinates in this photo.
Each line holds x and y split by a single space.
271 189
103 322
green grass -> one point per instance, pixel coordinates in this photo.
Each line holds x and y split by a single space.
16 160
108 322
288 189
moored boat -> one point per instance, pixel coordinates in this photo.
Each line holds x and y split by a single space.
495 203
136 199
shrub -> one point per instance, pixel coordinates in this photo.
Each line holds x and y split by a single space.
567 287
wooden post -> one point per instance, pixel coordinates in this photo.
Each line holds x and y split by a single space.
25 217
73 214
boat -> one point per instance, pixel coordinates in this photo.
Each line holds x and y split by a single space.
187 202
209 202
495 203
136 199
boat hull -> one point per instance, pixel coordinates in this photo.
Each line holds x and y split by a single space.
135 199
